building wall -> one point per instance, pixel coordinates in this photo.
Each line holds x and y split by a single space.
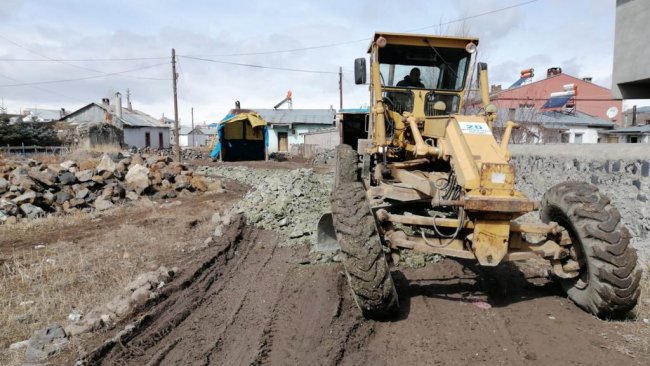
326 139
183 140
592 99
626 138
589 135
135 136
631 74
294 135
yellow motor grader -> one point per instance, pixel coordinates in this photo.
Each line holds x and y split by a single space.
414 173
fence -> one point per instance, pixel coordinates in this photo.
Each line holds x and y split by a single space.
34 149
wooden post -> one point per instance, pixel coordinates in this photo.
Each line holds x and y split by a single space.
177 145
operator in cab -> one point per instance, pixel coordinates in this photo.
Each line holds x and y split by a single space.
412 80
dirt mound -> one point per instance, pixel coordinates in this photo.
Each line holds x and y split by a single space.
252 302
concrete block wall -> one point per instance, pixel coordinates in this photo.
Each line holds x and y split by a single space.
622 172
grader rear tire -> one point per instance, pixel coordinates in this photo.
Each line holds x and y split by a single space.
364 260
346 165
608 284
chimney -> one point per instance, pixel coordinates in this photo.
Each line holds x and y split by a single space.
118 105
587 79
128 100
495 88
552 71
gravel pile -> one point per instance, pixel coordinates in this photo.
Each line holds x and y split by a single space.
289 202
324 157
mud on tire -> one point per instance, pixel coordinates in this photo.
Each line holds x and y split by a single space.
608 284
364 260
346 165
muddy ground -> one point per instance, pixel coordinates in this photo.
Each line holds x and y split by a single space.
244 301
250 302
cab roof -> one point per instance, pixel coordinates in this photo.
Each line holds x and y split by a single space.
410 39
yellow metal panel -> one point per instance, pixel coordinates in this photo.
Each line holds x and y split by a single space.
419 40
490 241
462 160
435 127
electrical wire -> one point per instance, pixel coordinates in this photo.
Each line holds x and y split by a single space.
43 89
69 64
365 39
259 66
86 77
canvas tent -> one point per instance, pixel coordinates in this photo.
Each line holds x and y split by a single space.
241 136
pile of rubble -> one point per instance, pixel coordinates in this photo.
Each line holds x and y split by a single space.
186 154
30 189
324 157
289 202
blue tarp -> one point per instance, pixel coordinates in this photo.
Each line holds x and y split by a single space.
557 102
217 147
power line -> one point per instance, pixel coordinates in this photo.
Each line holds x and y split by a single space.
83 59
87 77
69 64
258 66
41 89
366 39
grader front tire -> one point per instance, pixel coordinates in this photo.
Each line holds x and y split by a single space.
364 260
608 285
346 165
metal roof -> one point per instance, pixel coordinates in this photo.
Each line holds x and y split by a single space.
632 129
183 130
204 130
132 118
297 116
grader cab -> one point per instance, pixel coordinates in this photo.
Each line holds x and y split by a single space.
425 177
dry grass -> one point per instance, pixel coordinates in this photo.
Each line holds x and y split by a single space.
642 309
67 275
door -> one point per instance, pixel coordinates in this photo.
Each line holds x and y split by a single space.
147 139
160 141
283 141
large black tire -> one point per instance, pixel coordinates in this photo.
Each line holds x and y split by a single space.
364 260
608 284
347 170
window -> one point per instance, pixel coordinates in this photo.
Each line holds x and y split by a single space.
633 139
511 114
578 138
147 139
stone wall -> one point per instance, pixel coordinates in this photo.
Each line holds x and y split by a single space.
622 172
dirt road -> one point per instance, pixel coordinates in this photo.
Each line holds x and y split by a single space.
250 302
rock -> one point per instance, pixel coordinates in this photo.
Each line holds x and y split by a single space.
132 195
216 218
67 178
140 296
45 343
49 197
68 164
218 231
84 175
137 178
4 185
19 345
198 183
89 164
62 196
31 211
82 193
106 164
102 204
27 197
45 177
182 182
74 202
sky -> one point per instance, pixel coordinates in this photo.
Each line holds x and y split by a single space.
49 44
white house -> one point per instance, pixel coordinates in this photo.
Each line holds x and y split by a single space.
288 127
139 129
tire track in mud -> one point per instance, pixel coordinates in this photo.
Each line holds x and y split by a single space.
252 303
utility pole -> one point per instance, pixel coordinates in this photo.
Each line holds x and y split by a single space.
177 145
340 88
192 127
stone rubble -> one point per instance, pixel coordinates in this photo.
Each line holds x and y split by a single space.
289 202
31 189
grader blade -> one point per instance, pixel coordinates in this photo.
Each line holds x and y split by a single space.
326 241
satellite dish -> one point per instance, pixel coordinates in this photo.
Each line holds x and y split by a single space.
612 112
